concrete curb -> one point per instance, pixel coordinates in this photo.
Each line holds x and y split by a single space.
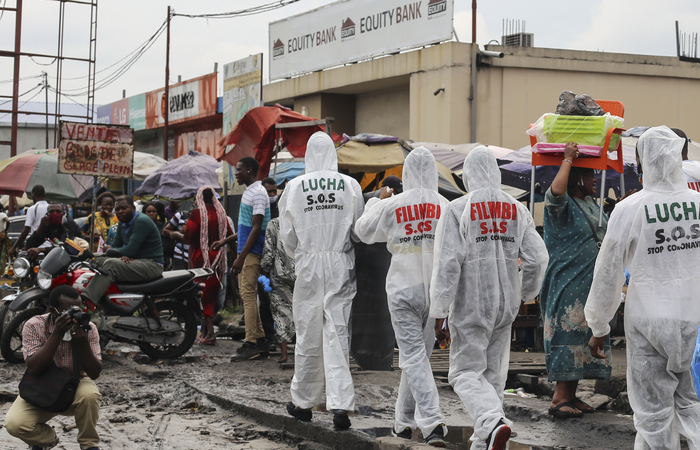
315 432
520 410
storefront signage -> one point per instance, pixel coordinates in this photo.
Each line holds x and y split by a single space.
353 30
96 149
190 99
242 92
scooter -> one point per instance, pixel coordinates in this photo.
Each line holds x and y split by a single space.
160 316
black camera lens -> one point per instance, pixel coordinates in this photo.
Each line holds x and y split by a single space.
83 319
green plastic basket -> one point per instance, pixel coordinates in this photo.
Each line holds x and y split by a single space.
584 130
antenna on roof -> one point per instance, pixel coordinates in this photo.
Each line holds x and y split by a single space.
513 34
686 45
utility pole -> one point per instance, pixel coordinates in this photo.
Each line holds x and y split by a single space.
15 78
46 89
166 107
473 21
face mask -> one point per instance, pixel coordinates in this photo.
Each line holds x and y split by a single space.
56 219
273 199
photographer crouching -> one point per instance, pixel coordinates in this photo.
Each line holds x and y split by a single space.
62 353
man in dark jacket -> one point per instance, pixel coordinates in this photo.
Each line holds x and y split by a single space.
138 240
54 225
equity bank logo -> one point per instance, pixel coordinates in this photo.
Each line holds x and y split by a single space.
277 49
436 7
347 29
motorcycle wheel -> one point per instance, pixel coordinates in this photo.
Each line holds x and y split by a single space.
11 342
176 312
5 318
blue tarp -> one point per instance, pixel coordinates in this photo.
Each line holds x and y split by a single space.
287 171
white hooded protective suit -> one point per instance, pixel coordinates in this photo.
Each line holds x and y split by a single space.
655 234
691 170
407 223
318 211
476 283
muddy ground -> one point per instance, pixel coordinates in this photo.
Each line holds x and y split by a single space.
203 401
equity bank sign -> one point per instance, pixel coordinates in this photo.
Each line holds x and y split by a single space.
352 30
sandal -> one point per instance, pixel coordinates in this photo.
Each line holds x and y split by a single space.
203 341
557 412
282 361
587 409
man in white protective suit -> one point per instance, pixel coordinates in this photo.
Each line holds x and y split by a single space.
318 211
655 234
407 223
475 282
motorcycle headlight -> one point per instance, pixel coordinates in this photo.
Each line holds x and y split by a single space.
21 267
44 279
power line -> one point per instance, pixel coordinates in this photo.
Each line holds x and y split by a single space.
135 55
243 12
2 13
29 77
111 78
26 101
23 94
42 64
117 62
67 97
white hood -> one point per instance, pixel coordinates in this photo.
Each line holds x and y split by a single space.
419 170
320 153
659 151
481 170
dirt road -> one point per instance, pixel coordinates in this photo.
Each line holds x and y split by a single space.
167 405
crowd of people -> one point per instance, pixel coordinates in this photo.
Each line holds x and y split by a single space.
459 268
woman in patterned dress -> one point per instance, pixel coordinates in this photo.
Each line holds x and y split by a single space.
572 236
279 267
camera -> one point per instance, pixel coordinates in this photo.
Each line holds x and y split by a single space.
79 316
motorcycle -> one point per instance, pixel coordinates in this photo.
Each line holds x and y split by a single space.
159 316
24 273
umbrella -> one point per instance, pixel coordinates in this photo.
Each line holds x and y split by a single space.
254 135
180 178
145 164
516 168
21 173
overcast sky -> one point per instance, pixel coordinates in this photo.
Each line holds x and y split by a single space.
620 26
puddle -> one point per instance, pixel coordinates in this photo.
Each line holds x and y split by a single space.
456 439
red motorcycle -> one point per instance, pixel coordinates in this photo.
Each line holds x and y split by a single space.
160 316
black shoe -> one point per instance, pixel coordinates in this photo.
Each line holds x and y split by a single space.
247 352
244 347
341 419
303 415
263 347
499 436
436 438
406 433
51 445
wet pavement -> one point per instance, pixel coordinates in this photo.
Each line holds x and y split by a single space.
203 401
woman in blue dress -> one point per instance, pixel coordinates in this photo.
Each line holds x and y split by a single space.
572 236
